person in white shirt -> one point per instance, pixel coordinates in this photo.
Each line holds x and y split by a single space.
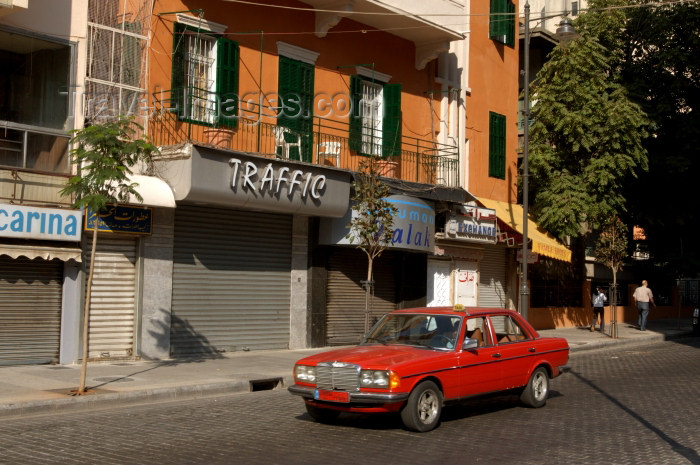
643 298
599 299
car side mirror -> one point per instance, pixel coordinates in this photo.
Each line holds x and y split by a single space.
470 344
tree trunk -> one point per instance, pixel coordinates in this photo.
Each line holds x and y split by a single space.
86 316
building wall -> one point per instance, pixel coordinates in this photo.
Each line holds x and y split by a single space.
493 85
340 52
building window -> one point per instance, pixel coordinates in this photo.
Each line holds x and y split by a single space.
34 81
205 77
295 89
502 22
574 8
375 124
497 145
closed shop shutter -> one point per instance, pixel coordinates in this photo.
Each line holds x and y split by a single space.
30 310
345 306
113 297
492 277
231 281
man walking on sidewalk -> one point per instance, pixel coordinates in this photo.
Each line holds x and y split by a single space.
643 298
599 299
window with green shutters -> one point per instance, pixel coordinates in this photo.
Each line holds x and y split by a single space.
497 145
375 122
502 22
204 77
296 94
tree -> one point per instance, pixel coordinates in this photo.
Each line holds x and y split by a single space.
586 139
104 154
611 250
662 72
371 226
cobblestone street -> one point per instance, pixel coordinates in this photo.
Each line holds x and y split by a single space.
624 406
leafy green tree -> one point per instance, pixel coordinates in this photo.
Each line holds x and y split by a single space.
611 250
586 139
371 227
662 72
104 154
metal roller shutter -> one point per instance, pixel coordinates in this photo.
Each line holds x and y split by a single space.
30 313
113 298
346 298
231 281
492 277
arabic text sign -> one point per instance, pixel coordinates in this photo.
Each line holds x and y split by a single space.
121 219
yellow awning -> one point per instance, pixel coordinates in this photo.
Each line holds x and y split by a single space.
542 242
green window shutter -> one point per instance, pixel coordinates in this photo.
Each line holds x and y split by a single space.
287 89
497 145
295 90
355 141
510 25
391 122
226 82
177 83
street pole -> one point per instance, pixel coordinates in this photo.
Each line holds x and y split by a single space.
524 290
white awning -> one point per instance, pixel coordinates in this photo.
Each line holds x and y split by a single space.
36 251
155 191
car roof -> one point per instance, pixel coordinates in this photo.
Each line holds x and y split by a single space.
455 310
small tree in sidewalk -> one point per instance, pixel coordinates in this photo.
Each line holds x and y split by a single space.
371 227
104 154
611 250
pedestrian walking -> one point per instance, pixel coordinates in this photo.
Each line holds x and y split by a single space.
643 297
599 299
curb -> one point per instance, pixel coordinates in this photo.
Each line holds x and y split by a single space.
138 396
615 343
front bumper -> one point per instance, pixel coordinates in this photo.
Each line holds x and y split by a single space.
355 396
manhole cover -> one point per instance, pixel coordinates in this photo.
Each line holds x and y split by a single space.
115 379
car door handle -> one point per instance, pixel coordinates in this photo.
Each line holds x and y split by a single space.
532 349
496 355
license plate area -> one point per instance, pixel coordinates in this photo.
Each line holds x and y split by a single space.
332 396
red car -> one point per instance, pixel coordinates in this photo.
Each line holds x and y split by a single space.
414 360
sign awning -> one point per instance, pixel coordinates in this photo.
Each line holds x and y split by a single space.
154 191
47 253
542 242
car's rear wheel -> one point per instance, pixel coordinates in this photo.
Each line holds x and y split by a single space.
537 389
322 415
422 410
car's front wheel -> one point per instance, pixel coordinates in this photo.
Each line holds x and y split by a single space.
535 393
422 410
322 415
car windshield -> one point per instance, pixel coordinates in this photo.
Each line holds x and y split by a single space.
431 331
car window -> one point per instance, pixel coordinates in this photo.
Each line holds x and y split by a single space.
432 331
507 329
477 329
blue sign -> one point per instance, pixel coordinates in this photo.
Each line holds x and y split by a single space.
121 219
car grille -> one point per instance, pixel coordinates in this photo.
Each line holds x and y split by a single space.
337 375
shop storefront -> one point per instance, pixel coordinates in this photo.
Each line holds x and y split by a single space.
240 248
40 259
469 267
399 272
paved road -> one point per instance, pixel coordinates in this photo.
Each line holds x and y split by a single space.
625 406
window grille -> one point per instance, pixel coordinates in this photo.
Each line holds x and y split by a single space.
200 76
371 107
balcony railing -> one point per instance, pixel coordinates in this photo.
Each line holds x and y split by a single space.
324 141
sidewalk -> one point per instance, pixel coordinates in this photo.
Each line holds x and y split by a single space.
28 389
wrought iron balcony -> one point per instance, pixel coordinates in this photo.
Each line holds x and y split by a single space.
322 141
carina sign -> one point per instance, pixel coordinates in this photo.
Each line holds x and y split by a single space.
414 226
26 222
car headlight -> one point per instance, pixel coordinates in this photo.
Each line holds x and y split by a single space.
696 312
382 379
305 374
